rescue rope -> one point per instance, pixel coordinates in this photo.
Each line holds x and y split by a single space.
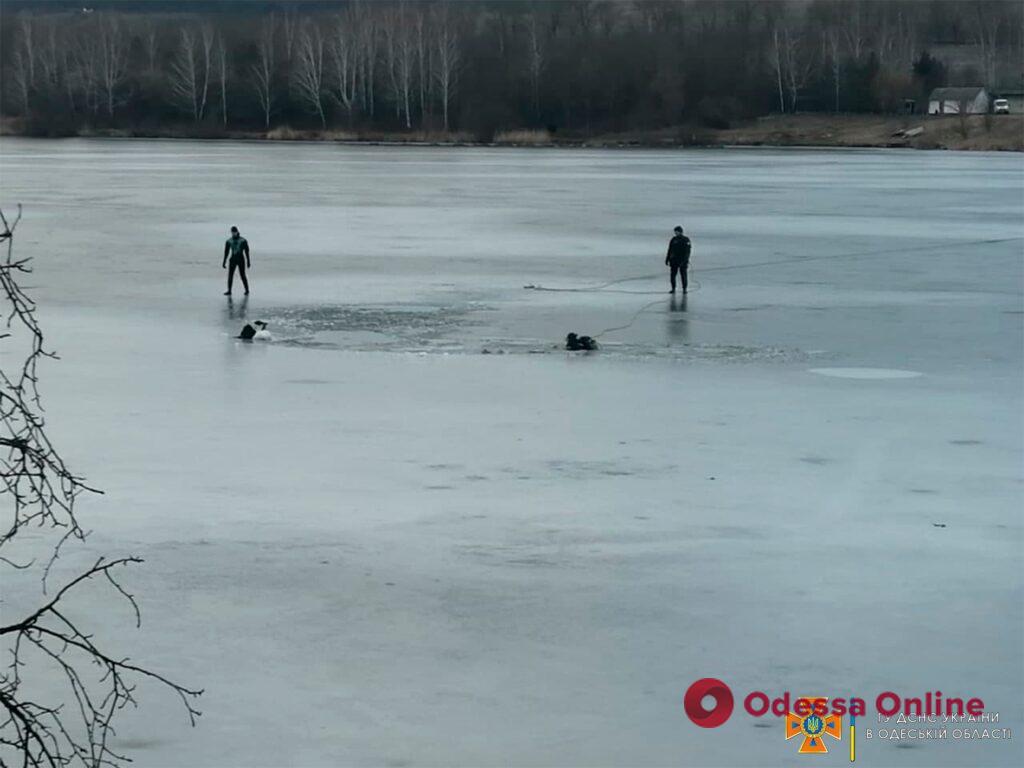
603 287
632 320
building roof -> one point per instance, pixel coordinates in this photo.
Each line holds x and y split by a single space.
956 94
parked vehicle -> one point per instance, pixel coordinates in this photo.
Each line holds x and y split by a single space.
1001 107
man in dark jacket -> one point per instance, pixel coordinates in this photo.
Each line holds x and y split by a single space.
237 247
678 257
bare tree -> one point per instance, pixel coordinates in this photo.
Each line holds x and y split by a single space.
50 58
71 78
26 31
883 34
406 65
342 48
389 34
150 44
535 56
23 61
290 24
369 39
446 46
308 74
855 28
400 56
833 54
190 70
794 62
85 54
20 76
184 81
263 70
42 492
112 44
206 34
82 72
423 61
986 20
56 60
777 64
222 79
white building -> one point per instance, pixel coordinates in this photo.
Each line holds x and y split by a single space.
948 101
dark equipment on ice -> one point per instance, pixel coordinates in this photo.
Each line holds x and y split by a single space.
576 343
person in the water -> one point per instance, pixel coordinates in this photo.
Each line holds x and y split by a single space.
237 247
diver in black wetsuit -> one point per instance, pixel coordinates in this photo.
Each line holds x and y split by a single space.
238 248
678 257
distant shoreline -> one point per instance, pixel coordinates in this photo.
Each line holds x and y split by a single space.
812 130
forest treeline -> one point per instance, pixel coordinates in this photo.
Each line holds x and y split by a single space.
571 68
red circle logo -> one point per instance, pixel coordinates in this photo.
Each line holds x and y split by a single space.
716 689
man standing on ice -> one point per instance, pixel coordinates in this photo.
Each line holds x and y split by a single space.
238 248
678 257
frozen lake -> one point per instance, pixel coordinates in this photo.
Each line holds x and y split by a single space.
374 545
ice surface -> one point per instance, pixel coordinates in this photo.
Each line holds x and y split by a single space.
866 373
372 544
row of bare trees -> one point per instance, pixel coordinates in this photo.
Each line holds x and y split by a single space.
829 38
412 50
341 60
90 73
408 64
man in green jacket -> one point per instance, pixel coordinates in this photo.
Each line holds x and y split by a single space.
237 247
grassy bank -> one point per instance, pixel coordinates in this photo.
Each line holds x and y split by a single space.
977 132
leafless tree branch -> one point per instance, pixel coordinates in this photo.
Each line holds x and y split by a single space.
43 491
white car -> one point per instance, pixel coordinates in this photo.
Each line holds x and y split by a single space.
1001 107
